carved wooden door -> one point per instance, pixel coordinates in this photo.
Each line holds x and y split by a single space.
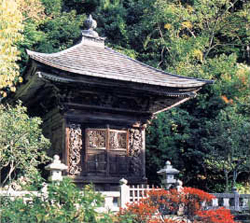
96 151
118 152
106 152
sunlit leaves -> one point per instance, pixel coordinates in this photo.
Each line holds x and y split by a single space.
31 9
10 33
13 15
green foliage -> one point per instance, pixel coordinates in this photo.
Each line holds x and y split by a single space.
55 30
22 145
60 32
167 132
195 39
227 145
111 17
82 7
63 203
243 188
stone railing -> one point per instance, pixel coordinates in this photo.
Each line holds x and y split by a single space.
113 200
233 201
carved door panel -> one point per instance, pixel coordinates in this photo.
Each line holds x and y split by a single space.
118 152
118 164
74 138
96 152
97 162
135 152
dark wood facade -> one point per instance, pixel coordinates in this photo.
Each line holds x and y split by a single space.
95 104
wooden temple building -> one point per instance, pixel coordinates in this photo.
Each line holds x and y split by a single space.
95 104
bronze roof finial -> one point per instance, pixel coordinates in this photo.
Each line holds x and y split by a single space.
90 24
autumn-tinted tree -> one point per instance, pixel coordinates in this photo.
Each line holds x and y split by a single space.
11 27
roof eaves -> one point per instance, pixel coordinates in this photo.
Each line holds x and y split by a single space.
143 81
55 78
44 58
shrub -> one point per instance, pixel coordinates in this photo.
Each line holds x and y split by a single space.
220 215
174 206
22 144
64 203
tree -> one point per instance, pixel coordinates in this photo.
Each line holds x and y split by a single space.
50 29
202 39
165 134
15 17
228 145
58 30
11 27
22 145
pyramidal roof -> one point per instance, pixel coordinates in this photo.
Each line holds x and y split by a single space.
92 58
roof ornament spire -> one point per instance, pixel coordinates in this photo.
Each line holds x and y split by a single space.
90 24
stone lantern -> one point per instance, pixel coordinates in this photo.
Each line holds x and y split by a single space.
56 168
168 173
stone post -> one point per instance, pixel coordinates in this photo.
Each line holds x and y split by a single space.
215 202
236 200
124 193
56 168
226 203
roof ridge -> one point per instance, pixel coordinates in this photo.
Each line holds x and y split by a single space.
31 52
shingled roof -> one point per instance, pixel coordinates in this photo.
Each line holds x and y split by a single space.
91 58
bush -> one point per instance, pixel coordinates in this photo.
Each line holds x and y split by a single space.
174 206
22 144
64 203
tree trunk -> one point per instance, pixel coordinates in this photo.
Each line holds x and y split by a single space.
227 180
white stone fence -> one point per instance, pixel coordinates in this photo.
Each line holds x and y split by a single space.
129 194
233 201
133 193
113 200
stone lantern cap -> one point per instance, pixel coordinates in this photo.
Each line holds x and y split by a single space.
56 164
168 169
